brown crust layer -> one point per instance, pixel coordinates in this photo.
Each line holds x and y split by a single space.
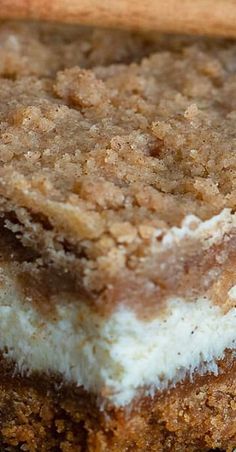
37 413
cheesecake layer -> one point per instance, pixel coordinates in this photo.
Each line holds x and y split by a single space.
119 356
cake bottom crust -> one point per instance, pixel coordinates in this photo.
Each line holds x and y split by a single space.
38 413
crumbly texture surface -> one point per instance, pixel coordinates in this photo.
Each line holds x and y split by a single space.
40 415
109 139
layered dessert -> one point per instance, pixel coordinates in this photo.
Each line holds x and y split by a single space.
118 241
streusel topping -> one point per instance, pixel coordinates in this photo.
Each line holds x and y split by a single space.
108 140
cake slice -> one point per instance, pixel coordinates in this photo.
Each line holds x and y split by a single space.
118 241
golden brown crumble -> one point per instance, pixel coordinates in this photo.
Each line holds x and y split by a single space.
109 139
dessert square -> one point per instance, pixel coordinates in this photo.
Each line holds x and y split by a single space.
118 240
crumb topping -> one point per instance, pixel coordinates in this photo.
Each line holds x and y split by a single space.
109 139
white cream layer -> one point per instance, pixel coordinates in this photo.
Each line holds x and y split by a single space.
115 357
